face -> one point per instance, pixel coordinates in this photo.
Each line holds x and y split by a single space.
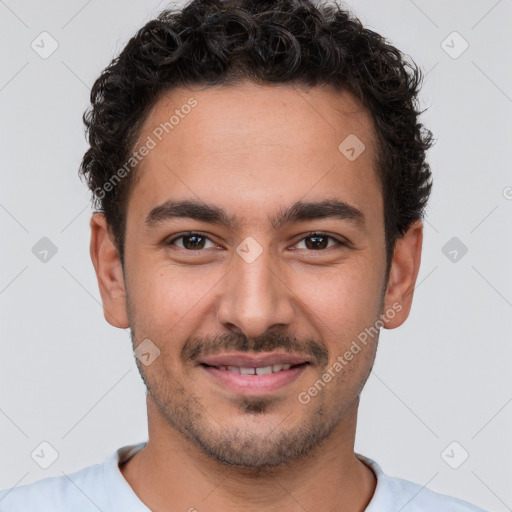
254 260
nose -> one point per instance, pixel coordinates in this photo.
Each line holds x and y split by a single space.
256 297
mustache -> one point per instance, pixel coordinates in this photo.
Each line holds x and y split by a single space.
196 346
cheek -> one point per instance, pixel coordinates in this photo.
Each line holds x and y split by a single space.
156 296
167 299
343 300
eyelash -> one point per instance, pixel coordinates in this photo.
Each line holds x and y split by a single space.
309 235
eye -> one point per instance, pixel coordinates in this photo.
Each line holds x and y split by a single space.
191 241
319 241
316 242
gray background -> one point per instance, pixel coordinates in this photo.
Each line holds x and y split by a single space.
68 378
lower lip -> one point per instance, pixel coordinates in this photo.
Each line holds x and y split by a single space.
255 384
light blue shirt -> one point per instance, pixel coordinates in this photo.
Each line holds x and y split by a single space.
102 487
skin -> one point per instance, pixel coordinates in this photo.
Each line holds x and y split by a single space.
254 150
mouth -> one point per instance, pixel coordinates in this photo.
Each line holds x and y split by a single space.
254 375
258 370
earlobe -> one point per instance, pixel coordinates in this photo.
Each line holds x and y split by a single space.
109 272
402 277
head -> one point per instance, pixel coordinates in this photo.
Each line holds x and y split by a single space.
259 175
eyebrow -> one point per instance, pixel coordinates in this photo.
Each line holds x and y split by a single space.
299 211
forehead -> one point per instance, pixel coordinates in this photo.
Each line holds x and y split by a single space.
248 144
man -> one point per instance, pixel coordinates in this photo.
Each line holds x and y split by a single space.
260 178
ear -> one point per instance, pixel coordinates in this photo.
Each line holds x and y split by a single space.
109 272
402 277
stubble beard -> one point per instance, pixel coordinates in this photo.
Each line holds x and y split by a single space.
246 447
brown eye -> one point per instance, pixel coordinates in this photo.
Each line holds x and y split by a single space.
319 241
191 241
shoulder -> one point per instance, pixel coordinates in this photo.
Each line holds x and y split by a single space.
397 494
81 491
96 487
417 498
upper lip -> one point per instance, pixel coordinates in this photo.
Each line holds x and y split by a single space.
259 360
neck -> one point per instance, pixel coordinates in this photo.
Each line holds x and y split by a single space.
170 469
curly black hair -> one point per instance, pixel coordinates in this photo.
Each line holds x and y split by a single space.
295 42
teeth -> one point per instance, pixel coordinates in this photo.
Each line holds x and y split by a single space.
265 370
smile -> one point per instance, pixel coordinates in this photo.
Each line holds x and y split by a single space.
262 370
254 380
